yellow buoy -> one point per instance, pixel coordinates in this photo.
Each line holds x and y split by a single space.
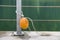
24 23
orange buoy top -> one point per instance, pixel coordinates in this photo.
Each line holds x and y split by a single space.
24 23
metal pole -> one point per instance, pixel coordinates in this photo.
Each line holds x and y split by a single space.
18 17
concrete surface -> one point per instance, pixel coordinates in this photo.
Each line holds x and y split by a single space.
30 35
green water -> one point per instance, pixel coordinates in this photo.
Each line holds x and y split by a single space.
36 13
